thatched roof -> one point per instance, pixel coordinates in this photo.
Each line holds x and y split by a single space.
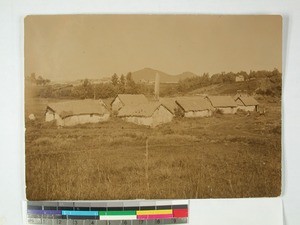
132 99
222 101
142 110
107 102
240 94
169 103
78 107
194 104
247 100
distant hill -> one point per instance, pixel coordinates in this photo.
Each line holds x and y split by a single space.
148 75
251 87
227 88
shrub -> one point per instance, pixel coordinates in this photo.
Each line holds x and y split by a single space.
267 92
242 112
178 113
114 113
276 130
219 112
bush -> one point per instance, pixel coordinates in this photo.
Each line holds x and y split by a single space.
178 113
276 130
219 112
37 123
267 92
242 112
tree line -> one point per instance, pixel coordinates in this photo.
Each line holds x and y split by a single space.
269 83
37 80
190 84
87 89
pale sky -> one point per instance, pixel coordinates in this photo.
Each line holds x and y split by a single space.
73 47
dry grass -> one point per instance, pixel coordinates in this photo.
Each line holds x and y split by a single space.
223 156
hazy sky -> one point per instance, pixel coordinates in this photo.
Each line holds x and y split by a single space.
93 46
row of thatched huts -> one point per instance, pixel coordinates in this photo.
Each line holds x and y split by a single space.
139 110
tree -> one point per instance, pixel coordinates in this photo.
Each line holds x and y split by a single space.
87 90
32 78
122 84
275 73
40 80
114 79
46 92
46 81
130 84
129 78
205 79
105 90
216 79
86 83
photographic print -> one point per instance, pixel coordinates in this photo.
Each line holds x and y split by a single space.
152 106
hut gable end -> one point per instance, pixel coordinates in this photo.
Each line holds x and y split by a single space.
122 100
247 103
169 103
128 99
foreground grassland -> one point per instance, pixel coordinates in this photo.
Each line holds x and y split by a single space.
221 156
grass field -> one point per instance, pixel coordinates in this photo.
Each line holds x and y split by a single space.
221 156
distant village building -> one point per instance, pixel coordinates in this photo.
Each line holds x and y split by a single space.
75 112
247 103
224 103
239 78
127 100
149 114
195 106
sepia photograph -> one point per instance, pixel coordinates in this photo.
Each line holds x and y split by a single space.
152 106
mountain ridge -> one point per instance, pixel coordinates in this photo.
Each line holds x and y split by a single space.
147 75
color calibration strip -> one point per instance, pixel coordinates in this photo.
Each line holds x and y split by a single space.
108 213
